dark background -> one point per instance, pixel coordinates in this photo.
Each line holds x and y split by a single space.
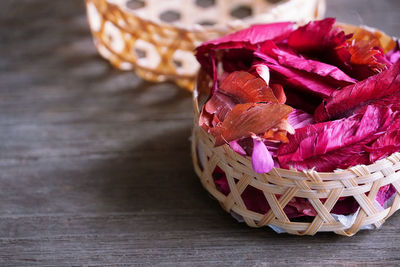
95 165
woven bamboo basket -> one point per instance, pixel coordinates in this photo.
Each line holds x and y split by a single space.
281 185
157 38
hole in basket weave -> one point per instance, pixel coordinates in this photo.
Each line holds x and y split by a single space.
147 54
140 53
114 36
135 4
253 198
184 62
206 23
177 63
274 1
170 16
205 3
302 219
241 12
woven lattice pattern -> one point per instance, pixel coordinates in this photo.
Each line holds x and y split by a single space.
361 182
157 38
279 186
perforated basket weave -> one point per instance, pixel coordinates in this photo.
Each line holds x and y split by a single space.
133 34
280 185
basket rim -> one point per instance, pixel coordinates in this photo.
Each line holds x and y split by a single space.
336 175
197 28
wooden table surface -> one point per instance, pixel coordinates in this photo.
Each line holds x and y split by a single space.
95 163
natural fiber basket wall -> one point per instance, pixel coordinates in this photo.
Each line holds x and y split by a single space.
279 186
134 34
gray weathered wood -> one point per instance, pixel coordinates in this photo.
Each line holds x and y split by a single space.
95 165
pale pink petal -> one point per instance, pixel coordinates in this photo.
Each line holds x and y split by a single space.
261 159
263 71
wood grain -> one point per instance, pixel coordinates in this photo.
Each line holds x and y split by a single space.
95 163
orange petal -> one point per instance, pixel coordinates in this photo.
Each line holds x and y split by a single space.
277 135
363 53
249 118
245 88
375 37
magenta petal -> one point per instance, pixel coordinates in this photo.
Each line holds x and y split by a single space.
237 148
301 80
342 102
254 34
384 193
246 41
317 36
313 66
261 159
335 144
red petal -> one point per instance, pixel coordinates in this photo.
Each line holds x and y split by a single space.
279 92
220 105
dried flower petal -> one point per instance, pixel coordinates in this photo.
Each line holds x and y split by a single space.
261 159
246 88
343 102
388 143
334 144
279 92
317 36
245 39
263 71
249 118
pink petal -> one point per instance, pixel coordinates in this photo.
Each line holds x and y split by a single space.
261 159
394 57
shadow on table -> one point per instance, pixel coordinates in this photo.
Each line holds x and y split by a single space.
157 177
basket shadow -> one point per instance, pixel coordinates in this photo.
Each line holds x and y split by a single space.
154 173
157 177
